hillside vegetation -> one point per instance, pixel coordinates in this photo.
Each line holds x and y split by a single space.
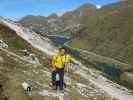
108 32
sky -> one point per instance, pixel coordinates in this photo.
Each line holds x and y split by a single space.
16 9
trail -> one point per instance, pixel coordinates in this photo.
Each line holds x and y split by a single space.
61 96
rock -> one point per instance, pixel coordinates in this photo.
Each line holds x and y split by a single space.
3 44
37 97
45 93
31 57
127 77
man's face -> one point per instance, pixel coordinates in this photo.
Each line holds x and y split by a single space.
62 51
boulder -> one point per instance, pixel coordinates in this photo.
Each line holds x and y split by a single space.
3 44
127 77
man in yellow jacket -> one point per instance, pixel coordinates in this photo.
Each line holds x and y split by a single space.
60 63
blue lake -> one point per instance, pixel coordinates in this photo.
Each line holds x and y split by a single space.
108 69
59 40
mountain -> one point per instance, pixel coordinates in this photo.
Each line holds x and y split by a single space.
108 32
54 24
24 58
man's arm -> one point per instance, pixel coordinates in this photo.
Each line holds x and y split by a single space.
67 65
53 63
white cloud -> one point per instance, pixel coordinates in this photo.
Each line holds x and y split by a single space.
98 6
60 13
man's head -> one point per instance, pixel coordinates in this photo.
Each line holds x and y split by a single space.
62 51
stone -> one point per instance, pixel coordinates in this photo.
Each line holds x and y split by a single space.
127 77
3 44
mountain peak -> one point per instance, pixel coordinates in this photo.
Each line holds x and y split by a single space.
53 15
87 5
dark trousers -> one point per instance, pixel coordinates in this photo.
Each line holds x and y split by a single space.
54 77
59 83
61 78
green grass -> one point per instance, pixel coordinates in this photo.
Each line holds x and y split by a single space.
109 32
12 69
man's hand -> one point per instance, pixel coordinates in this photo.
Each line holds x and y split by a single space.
67 67
53 65
53 69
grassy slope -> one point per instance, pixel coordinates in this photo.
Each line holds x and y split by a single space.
15 42
14 71
109 32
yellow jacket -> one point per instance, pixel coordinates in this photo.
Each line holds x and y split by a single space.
60 61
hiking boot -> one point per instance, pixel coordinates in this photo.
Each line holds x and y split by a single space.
61 91
65 86
54 88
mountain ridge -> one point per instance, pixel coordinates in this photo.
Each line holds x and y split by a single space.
54 24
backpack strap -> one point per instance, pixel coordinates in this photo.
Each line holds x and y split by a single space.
62 60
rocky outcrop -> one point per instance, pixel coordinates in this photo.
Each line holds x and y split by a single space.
30 57
3 44
127 77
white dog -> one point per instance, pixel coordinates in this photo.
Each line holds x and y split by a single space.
26 87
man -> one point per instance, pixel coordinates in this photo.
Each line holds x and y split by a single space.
60 64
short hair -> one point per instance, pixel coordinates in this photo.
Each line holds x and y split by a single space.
63 48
